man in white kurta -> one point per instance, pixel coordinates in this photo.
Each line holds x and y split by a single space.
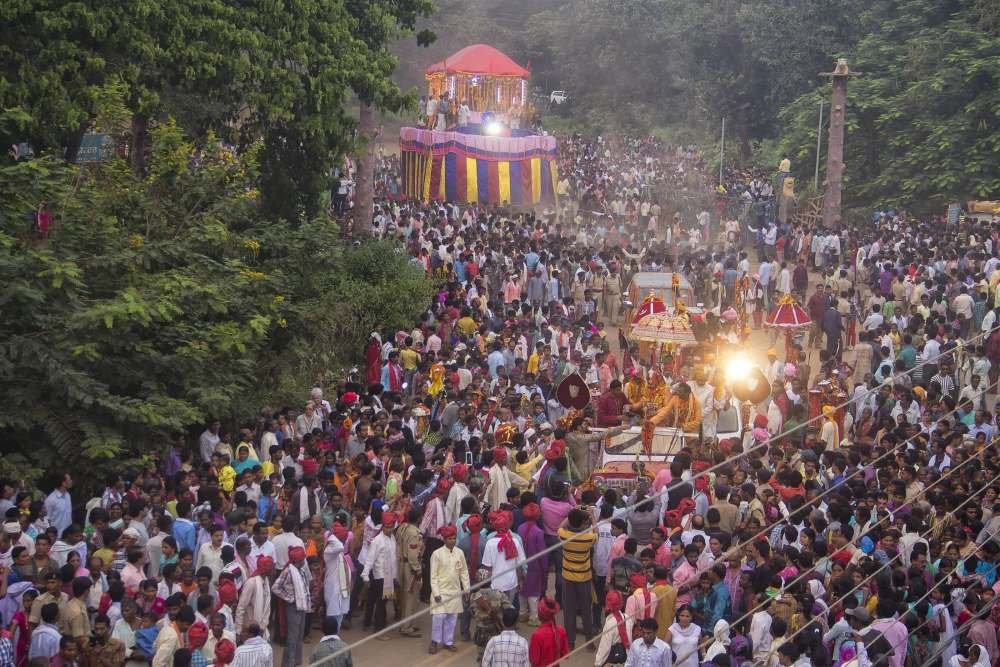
337 580
449 580
705 395
254 605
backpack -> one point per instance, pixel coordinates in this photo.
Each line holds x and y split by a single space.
619 576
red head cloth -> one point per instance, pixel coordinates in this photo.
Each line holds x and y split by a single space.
701 484
225 651
197 635
685 506
700 466
553 452
388 519
638 580
760 421
296 555
499 454
501 524
473 525
613 601
105 604
531 512
265 566
227 588
460 472
339 531
350 397
442 487
547 610
843 557
447 531
672 519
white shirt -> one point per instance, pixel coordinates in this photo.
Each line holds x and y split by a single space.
504 570
258 550
206 444
282 543
254 652
381 560
59 507
641 654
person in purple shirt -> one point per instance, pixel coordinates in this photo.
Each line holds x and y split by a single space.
533 540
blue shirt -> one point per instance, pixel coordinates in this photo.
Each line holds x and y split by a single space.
184 534
59 507
531 259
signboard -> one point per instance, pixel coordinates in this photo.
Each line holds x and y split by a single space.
953 212
95 148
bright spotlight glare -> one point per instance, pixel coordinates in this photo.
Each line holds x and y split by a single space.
739 368
494 128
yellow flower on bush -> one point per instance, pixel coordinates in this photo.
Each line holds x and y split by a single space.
252 275
136 241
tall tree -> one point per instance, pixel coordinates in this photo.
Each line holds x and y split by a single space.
922 123
155 302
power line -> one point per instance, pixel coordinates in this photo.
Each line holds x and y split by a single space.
558 545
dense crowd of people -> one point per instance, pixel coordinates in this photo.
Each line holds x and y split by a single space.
853 521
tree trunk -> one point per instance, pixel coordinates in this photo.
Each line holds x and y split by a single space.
73 142
364 198
137 154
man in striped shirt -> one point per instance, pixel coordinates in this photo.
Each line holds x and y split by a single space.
254 652
578 537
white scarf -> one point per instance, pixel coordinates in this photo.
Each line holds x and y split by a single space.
300 585
303 504
343 572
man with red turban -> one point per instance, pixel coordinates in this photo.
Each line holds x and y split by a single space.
449 581
533 539
471 544
504 555
380 572
292 586
433 519
337 573
548 643
225 651
642 603
617 628
254 605
197 636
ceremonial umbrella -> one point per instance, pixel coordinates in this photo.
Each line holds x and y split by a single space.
788 315
651 305
664 328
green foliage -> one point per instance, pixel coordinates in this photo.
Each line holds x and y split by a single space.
922 124
250 71
158 301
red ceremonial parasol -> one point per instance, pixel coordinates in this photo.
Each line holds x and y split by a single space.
788 315
651 305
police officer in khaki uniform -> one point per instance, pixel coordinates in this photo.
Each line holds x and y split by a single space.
409 549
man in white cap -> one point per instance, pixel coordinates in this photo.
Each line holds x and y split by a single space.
12 529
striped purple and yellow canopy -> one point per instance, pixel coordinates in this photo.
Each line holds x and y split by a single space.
468 168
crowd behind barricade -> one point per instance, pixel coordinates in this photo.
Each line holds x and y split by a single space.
854 522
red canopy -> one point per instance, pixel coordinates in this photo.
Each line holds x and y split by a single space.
788 315
479 59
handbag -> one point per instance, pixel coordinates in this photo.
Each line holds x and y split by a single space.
618 654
